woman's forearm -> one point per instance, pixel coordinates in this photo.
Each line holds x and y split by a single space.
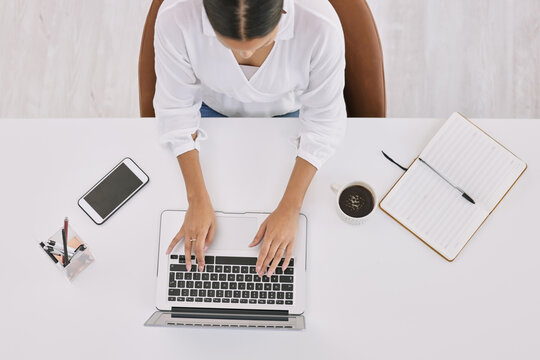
192 173
299 182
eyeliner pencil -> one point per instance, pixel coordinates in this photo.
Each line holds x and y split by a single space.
463 193
65 246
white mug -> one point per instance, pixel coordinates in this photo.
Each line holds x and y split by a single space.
338 189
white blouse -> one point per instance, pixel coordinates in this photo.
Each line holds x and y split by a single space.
304 70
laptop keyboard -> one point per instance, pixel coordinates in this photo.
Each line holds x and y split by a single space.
229 280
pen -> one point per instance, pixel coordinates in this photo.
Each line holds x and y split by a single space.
54 248
48 253
463 193
65 246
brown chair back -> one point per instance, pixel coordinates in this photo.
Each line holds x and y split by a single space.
364 93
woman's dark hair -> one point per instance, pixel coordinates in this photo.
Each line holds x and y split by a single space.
243 19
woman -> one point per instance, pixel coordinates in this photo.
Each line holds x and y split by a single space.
249 58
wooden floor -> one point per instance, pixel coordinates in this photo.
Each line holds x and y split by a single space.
75 58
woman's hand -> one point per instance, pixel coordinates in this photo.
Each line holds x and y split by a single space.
197 231
277 233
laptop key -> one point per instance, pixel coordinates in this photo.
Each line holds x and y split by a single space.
207 285
209 259
171 298
234 260
227 269
275 287
222 277
215 285
270 302
228 293
171 276
181 284
232 286
245 294
189 284
267 287
279 271
287 287
197 276
174 292
219 293
262 294
177 267
254 294
224 285
190 299
250 286
211 293
265 278
185 292
237 294
188 276
193 292
210 268
281 295
288 302
239 277
198 300
249 278
174 256
258 286
180 299
252 270
172 284
262 301
288 295
289 271
216 300
226 300
198 284
214 277
231 277
271 295
243 301
207 300
179 276
280 302
252 301
241 286
202 293
218 268
274 278
205 276
234 301
285 279
244 269
256 278
236 269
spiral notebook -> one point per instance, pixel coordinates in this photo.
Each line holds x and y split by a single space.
434 211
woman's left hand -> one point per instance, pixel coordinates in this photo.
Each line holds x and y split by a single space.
277 233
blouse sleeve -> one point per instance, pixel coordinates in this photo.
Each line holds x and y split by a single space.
177 98
323 116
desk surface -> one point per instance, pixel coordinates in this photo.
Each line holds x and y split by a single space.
374 290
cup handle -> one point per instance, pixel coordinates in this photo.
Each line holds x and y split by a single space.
335 187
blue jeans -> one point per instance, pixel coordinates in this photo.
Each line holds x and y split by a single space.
207 111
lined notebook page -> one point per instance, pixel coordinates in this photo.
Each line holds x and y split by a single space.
435 211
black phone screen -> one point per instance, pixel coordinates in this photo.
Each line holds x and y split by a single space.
113 190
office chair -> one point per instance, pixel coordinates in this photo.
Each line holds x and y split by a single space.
365 94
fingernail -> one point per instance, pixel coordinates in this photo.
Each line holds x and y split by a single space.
201 267
258 269
270 273
188 267
205 248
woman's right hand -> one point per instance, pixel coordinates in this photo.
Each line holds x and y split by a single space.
197 231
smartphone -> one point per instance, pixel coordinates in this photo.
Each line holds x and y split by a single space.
113 191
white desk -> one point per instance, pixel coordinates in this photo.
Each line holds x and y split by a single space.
407 302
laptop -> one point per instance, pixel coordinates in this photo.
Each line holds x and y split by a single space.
228 293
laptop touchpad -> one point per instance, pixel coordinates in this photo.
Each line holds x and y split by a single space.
234 232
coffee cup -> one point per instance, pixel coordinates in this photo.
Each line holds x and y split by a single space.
355 201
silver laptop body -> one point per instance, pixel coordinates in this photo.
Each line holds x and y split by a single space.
228 293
